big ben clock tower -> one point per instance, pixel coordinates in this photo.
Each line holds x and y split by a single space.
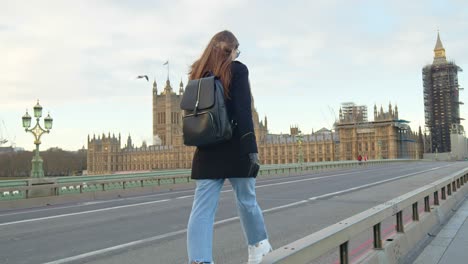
441 99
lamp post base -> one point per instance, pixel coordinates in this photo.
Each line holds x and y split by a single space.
37 171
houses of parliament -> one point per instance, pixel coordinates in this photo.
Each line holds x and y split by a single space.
386 137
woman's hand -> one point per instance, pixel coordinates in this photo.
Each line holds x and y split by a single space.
254 165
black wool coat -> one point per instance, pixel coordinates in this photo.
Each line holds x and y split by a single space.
230 159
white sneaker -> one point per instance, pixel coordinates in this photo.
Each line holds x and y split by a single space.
258 251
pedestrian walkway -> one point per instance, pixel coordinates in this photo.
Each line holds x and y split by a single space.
451 244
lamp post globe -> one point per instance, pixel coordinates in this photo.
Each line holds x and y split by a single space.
37 110
26 120
48 122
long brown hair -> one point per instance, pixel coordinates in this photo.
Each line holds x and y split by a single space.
217 59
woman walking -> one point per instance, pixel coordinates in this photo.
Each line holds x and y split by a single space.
232 160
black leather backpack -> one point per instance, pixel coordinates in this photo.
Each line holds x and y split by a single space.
205 120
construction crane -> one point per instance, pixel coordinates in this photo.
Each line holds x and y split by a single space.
3 140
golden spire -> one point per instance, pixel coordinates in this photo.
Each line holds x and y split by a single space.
438 45
439 51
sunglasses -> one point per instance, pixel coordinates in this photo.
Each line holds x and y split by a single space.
238 52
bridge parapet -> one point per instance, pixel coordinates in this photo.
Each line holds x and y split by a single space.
445 194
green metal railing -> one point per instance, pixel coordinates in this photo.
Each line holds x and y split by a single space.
18 189
13 194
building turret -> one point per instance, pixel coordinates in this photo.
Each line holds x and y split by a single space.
375 112
168 113
155 88
154 107
168 88
181 87
294 130
129 142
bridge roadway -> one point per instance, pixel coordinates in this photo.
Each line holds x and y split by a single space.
152 228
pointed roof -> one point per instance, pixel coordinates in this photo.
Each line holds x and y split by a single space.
168 88
181 89
438 45
439 52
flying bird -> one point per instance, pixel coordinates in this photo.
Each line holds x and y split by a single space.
143 76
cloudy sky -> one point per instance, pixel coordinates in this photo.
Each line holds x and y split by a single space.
80 58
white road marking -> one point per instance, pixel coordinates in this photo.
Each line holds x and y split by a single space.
115 248
79 213
157 194
183 197
179 232
92 203
370 184
302 180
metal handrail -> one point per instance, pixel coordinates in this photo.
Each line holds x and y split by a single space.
81 186
319 243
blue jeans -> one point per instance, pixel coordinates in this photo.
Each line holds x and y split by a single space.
205 203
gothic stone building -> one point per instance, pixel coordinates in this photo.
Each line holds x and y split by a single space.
386 137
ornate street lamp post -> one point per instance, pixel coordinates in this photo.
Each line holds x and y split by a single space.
37 131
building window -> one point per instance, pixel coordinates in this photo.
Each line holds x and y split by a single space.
161 118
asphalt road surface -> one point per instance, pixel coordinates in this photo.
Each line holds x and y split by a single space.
152 228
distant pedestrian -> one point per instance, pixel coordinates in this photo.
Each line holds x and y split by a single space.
235 159
359 158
